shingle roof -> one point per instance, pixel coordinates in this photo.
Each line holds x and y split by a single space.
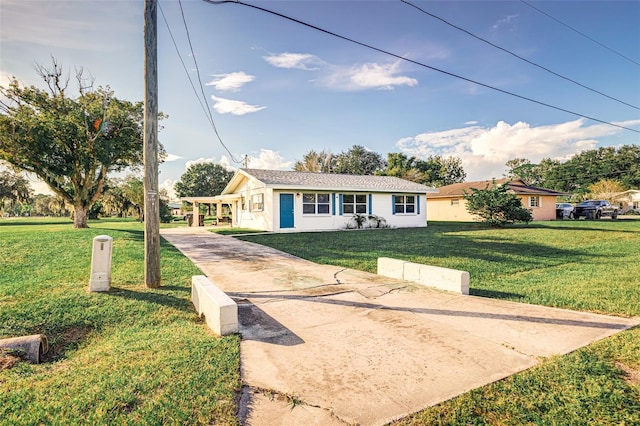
518 186
332 181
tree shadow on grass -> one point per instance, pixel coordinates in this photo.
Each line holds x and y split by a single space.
155 296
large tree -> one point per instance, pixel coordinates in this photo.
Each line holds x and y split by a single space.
358 161
434 171
203 180
319 162
14 188
71 143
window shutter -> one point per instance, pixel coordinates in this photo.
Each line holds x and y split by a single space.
418 203
393 204
340 200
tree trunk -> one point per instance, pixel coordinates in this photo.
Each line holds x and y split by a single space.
80 217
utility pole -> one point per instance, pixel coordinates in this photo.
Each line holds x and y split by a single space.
150 156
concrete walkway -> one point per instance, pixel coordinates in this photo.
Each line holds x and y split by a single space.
323 345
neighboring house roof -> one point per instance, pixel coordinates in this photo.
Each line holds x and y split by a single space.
517 186
630 193
281 179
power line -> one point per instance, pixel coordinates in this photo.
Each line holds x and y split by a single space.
204 108
204 105
368 46
579 32
516 55
204 97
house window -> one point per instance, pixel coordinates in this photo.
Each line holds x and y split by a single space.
534 201
354 203
243 203
404 204
455 201
315 203
257 202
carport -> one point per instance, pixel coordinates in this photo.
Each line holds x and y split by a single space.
233 201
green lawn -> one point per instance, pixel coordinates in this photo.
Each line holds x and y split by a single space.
581 265
141 356
130 356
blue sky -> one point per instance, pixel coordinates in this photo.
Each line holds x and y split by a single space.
278 89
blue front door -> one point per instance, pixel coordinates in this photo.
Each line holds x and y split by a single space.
286 210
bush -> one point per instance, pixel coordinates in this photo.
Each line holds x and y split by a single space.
496 206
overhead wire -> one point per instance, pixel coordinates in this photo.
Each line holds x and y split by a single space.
580 32
516 55
175 44
395 55
204 104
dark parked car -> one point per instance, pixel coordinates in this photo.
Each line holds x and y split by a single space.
595 209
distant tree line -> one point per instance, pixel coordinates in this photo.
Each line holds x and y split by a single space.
433 171
122 197
604 166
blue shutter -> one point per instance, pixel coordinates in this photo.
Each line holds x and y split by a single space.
340 211
370 204
333 204
418 203
393 204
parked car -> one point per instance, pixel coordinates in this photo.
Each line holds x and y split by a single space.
595 209
564 211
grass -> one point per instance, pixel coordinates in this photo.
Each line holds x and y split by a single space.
133 355
581 265
141 356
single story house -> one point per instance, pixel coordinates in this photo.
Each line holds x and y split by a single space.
176 209
449 204
280 201
628 200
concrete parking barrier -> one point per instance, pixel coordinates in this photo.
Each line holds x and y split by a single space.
427 275
219 310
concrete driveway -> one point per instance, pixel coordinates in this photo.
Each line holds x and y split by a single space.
323 345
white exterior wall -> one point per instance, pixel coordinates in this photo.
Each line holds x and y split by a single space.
250 217
381 205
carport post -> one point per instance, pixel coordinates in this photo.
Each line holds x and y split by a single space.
196 214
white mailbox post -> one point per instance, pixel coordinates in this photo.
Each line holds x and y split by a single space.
101 264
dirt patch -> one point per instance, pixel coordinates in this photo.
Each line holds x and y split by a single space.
630 375
7 359
69 339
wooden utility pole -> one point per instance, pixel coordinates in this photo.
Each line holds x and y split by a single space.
151 198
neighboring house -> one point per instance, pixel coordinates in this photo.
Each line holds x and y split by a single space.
176 209
276 200
449 204
628 200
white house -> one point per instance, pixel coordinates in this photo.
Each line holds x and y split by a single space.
628 200
281 201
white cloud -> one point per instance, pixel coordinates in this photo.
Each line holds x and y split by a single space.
232 81
269 160
172 157
168 186
301 61
507 21
226 163
230 106
368 76
200 160
484 151
471 123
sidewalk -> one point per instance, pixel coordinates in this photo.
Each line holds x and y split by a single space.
323 345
